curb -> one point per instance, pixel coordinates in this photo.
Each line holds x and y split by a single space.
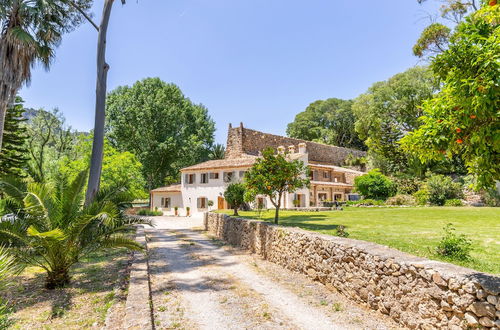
138 308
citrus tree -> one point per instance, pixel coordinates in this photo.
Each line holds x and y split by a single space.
463 119
273 175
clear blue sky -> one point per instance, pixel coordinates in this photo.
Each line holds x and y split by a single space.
256 61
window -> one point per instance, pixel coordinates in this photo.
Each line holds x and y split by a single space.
214 176
190 178
228 176
204 178
202 203
165 202
326 175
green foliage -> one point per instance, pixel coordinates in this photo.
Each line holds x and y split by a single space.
328 121
441 188
453 202
235 195
117 167
218 151
49 141
162 127
463 118
149 212
273 175
454 246
407 184
401 199
13 159
374 185
433 39
341 232
53 229
422 196
387 111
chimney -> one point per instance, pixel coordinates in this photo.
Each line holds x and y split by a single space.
291 149
281 150
241 124
302 148
230 126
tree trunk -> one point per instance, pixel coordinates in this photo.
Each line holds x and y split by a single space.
236 211
57 278
100 107
277 212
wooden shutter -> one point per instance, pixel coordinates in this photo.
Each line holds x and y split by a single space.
186 178
162 201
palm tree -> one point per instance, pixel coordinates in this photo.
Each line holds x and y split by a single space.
29 32
217 152
49 226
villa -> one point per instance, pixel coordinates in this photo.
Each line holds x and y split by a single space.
202 185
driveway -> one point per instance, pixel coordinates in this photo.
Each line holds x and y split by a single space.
198 283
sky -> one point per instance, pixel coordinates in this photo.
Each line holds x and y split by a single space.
259 62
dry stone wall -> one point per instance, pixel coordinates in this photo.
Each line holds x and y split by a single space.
416 292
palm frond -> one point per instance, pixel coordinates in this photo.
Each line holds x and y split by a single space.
121 242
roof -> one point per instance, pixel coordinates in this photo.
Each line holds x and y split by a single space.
246 161
336 168
331 184
171 188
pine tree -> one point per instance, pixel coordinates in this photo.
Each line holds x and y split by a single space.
13 156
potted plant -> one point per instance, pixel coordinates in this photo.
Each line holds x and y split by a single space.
176 209
187 211
296 202
210 204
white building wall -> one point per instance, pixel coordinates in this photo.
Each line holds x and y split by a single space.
175 200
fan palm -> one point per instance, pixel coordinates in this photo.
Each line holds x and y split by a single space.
29 32
49 226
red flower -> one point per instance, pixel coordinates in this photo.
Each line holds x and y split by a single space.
459 141
458 129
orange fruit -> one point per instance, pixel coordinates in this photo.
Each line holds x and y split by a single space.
459 141
458 130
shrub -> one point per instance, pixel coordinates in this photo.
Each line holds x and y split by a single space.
341 232
407 185
370 202
149 212
441 188
235 195
374 185
454 246
453 202
421 197
401 199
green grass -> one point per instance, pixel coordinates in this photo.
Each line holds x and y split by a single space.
415 230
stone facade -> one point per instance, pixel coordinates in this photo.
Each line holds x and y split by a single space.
416 292
241 140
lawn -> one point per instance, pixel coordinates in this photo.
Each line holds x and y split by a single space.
415 230
80 305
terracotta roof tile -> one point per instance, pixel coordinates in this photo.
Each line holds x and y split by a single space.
171 188
245 161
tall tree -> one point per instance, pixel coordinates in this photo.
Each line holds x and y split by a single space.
49 139
328 121
434 38
463 119
162 127
218 151
13 158
388 111
30 31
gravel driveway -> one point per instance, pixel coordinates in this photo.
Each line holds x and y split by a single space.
198 283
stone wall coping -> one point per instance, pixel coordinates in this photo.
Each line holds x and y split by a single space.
489 282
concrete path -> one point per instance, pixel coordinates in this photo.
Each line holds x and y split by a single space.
199 284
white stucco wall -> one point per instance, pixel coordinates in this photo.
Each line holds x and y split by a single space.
175 200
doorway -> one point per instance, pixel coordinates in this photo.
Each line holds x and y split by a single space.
220 203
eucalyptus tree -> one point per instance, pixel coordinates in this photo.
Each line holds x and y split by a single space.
30 30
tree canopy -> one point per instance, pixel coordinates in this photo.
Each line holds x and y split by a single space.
162 127
388 111
14 154
463 118
328 121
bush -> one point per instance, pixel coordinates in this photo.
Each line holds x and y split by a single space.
341 232
441 188
407 185
374 185
454 246
421 197
401 199
453 202
149 212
